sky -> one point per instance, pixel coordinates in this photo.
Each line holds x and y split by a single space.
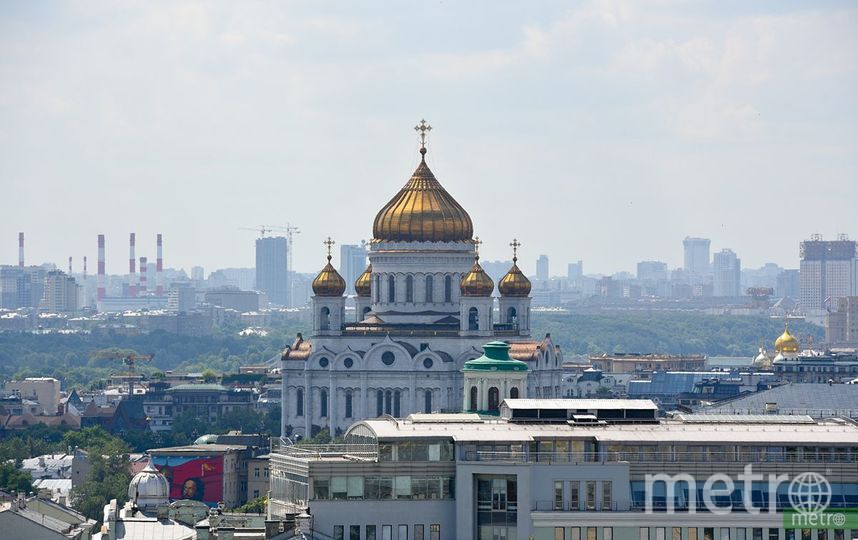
605 131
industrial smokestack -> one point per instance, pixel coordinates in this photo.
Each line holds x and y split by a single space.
159 267
100 294
84 267
132 273
21 250
142 289
70 265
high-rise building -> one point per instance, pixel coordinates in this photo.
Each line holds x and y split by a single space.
542 268
829 271
728 274
575 271
696 256
181 297
272 269
841 325
652 271
352 264
788 284
21 287
60 293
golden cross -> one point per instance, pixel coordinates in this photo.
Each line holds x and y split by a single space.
515 244
477 244
423 128
329 244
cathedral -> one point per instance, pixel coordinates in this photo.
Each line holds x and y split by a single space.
424 307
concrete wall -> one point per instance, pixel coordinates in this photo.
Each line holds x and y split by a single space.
326 514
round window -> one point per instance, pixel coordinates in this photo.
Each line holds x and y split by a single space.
348 362
388 358
427 363
323 362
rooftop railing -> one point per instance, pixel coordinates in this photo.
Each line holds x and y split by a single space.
318 452
523 456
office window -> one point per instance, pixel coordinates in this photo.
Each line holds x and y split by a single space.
575 495
838 534
822 534
725 533
709 533
774 534
403 532
435 531
339 532
608 533
369 533
559 533
387 532
575 533
789 534
806 534
591 533
659 533
644 533
558 495
756 534
607 503
354 532
692 533
591 495
418 532
676 533
741 534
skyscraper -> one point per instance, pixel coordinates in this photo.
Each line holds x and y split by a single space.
575 271
696 256
272 270
829 271
352 264
542 268
60 293
728 273
652 271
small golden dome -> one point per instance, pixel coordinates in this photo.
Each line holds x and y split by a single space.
514 283
477 282
786 343
422 211
329 282
363 284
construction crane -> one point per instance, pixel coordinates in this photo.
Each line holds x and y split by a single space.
290 231
130 359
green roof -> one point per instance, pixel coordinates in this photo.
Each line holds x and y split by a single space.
495 358
199 388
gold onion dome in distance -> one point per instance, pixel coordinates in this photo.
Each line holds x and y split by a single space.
476 282
514 283
363 284
329 282
786 342
422 211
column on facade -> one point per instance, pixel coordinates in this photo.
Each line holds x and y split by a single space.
308 405
332 404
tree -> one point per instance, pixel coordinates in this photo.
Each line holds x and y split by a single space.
209 376
11 479
190 425
258 505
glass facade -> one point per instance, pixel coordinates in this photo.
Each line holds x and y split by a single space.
496 507
383 487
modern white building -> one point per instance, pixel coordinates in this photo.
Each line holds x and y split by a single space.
727 269
828 272
424 307
696 256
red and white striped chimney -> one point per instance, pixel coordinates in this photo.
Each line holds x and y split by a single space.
100 294
159 267
21 250
70 265
84 267
132 261
142 289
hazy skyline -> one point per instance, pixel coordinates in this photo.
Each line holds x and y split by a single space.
604 131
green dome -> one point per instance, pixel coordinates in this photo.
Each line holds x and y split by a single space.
495 358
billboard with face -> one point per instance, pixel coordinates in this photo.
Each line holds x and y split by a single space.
197 478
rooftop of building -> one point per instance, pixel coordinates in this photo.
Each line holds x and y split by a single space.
796 398
197 449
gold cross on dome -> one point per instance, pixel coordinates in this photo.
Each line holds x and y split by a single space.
423 128
477 244
515 244
329 244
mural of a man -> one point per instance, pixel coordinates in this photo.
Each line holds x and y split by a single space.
193 488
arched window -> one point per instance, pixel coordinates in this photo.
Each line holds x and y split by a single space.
348 404
473 319
427 402
299 402
388 402
324 319
391 289
494 398
429 284
473 398
323 402
409 288
448 289
396 403
379 402
513 393
511 315
377 289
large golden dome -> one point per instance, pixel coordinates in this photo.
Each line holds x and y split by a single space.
476 282
786 342
329 282
422 211
363 284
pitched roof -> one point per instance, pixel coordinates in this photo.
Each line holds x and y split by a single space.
814 399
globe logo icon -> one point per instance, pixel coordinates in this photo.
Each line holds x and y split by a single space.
809 493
